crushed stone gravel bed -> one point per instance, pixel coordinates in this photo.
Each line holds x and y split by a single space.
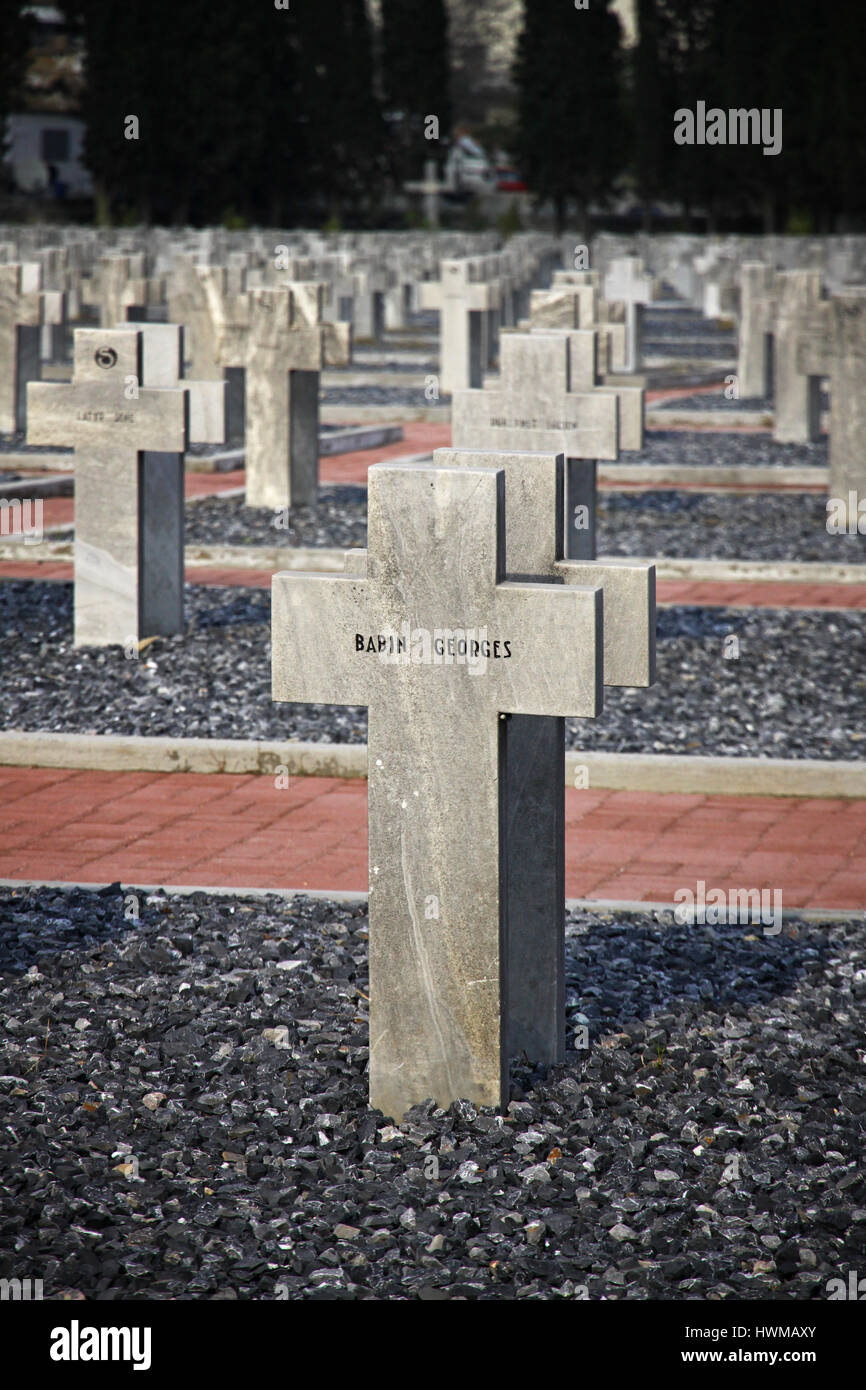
419 368
759 526
682 323
381 395
715 400
185 1114
725 448
769 697
723 526
685 350
337 518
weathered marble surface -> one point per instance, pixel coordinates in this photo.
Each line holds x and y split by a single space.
536 408
833 344
21 310
124 520
758 303
798 402
465 303
456 981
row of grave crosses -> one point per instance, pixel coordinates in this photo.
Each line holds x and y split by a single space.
465 767
791 338
458 755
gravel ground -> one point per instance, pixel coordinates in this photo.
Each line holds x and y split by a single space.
381 395
773 699
419 368
15 443
683 324
729 526
338 518
681 349
763 526
715 400
703 400
673 448
161 1140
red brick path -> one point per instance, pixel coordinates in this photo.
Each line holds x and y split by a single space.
239 831
419 437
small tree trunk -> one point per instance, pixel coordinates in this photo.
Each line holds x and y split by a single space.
101 206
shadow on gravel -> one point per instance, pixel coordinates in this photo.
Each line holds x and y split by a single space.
618 969
626 968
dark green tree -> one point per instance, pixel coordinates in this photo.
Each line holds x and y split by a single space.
212 89
342 123
652 130
415 80
14 40
572 140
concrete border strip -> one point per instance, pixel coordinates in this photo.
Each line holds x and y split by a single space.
324 558
340 895
636 772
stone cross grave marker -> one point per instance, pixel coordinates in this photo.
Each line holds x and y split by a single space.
797 417
463 303
758 303
426 630
565 310
162 360
628 283
535 408
197 296
833 344
128 487
533 839
21 317
431 187
119 292
188 304
595 312
282 344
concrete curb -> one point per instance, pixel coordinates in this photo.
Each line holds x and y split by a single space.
636 772
136 753
339 895
327 559
710 419
719 478
372 414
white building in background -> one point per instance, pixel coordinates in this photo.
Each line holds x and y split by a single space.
37 140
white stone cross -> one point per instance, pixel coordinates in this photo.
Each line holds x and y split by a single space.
282 344
628 283
427 630
535 408
128 507
22 312
464 303
833 345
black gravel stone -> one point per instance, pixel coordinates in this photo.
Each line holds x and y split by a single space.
714 400
338 518
723 526
670 448
769 696
381 395
667 325
162 1139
